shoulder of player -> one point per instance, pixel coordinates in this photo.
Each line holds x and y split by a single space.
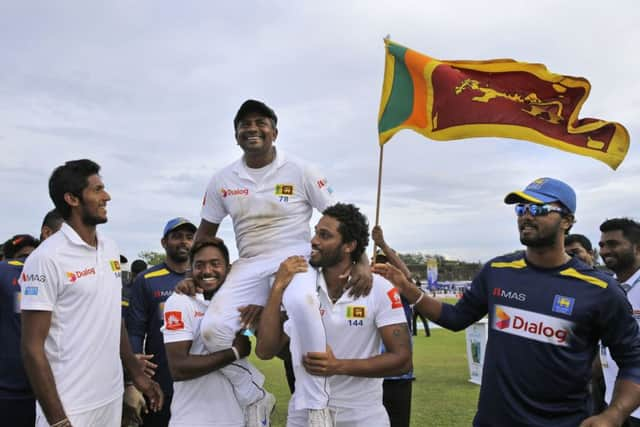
585 274
381 289
179 302
155 272
512 261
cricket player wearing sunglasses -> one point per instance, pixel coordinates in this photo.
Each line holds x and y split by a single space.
547 312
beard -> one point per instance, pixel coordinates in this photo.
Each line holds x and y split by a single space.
175 255
327 259
621 261
542 238
89 219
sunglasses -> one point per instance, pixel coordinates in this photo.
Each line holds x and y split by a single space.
538 210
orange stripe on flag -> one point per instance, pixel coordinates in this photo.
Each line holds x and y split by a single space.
416 65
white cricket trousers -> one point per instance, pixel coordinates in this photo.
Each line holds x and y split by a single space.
249 282
371 416
108 415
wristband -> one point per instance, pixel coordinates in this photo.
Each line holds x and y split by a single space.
63 422
235 352
419 298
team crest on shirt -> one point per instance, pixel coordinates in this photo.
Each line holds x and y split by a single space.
173 320
563 305
394 296
115 267
356 312
284 190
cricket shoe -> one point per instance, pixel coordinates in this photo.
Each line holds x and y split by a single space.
258 414
321 418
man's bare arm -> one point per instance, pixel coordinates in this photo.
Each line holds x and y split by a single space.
396 359
626 398
35 328
186 366
206 230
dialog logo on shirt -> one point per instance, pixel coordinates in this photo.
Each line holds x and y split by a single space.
563 305
227 192
284 190
356 312
532 325
75 276
393 295
173 320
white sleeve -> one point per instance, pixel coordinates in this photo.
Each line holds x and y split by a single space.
178 319
389 310
317 189
40 283
213 210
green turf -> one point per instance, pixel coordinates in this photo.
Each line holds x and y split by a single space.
442 394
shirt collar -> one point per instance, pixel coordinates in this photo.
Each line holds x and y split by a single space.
75 238
321 288
240 167
635 277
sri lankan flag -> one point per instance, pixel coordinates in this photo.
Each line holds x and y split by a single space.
446 100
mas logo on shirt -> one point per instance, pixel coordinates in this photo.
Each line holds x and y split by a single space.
75 276
563 305
33 277
284 190
173 320
394 296
532 325
227 192
356 312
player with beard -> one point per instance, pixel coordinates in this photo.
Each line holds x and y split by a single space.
353 364
547 312
149 292
202 395
74 342
620 251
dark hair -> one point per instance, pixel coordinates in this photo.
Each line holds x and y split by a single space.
52 219
213 242
579 239
353 226
17 242
70 178
630 228
138 266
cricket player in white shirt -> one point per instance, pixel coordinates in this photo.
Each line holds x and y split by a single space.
355 326
270 197
73 340
202 396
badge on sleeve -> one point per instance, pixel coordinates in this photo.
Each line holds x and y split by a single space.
173 320
393 295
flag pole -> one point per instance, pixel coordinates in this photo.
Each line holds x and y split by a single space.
378 195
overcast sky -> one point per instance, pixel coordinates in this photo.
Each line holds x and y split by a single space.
148 89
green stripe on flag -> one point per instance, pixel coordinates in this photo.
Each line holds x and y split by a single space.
400 104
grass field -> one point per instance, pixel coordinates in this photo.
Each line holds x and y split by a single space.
442 394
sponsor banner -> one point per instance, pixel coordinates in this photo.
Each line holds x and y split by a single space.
227 192
532 325
74 276
173 320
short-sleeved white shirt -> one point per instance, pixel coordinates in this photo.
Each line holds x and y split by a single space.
81 286
273 213
352 332
208 400
609 366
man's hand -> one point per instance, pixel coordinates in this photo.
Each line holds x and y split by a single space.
187 286
321 364
134 406
151 390
250 316
392 274
600 420
288 268
378 237
148 367
360 280
242 344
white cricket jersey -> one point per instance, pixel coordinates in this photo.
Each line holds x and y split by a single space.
80 285
352 332
609 366
273 213
208 400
